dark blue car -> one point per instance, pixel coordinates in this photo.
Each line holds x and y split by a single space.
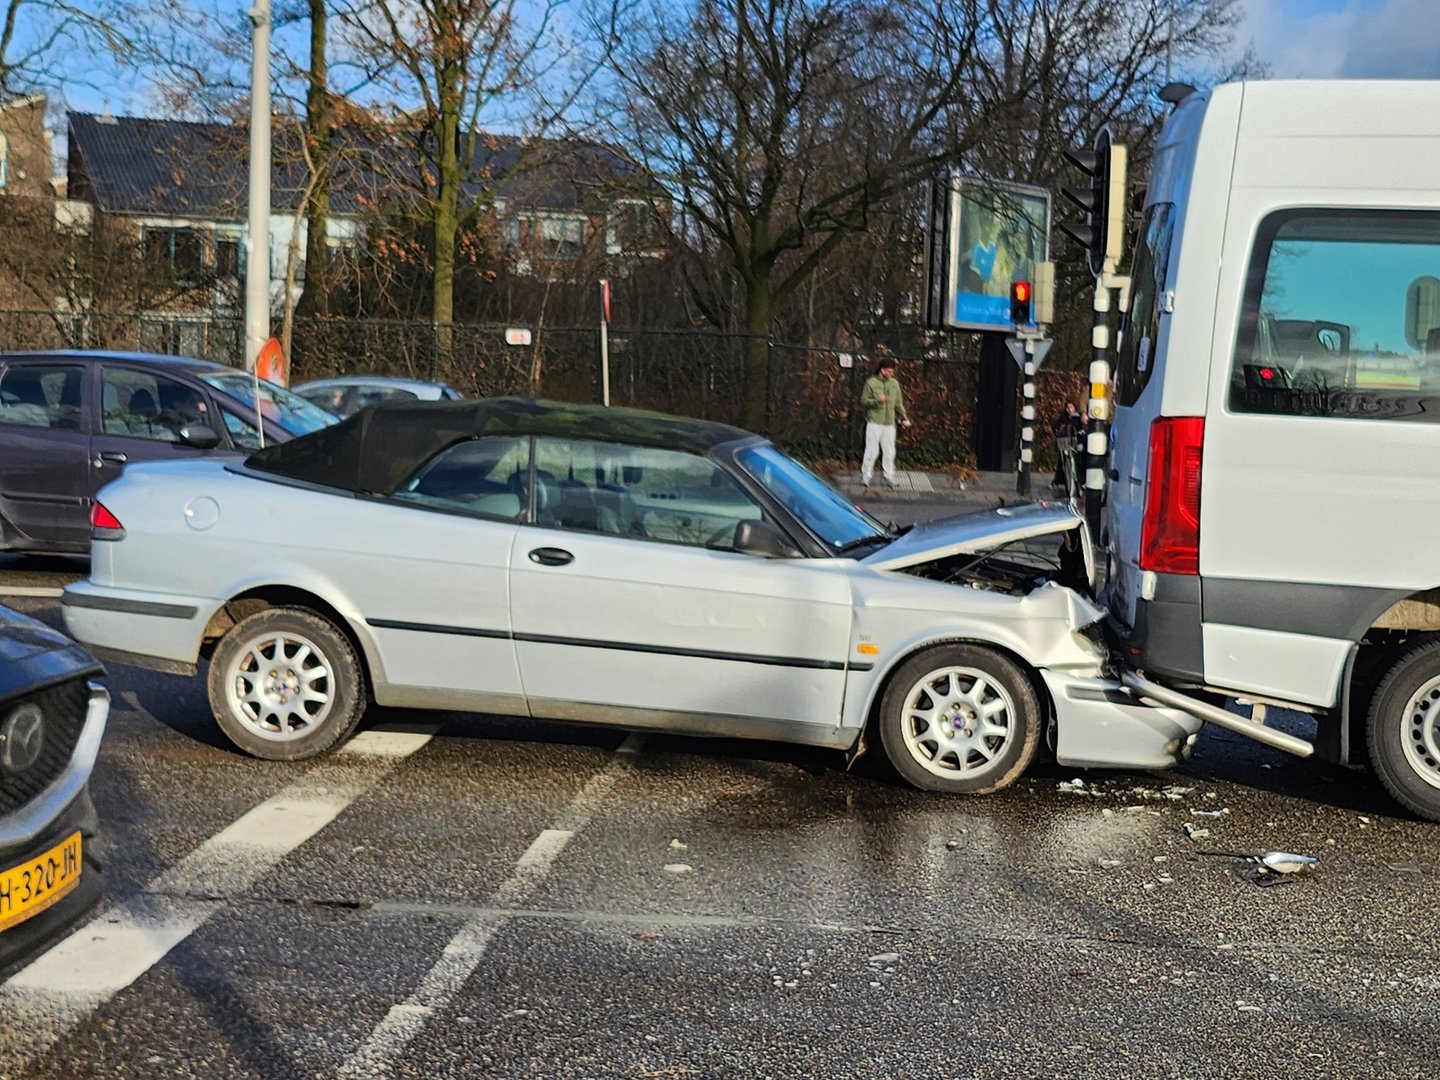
52 714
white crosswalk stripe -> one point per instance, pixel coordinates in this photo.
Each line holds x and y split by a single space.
467 948
69 982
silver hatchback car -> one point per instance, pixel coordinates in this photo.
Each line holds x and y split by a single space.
347 394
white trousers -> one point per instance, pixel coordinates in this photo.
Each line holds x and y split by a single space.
879 440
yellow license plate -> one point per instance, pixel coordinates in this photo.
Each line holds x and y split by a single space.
31 887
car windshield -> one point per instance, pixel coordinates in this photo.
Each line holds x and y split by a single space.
278 405
823 510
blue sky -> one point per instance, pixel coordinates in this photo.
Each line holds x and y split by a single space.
1348 39
1297 38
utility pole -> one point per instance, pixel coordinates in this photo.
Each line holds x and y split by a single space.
257 243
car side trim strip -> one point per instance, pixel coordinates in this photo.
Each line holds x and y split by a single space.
436 628
128 607
702 654
624 646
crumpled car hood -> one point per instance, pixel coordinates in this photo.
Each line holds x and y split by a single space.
975 533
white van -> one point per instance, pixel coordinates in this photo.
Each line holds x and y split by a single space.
1273 512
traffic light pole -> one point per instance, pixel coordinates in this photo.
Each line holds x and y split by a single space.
1097 435
1028 347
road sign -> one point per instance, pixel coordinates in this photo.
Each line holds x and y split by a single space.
1037 354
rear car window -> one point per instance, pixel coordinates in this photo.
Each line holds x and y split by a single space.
1342 317
42 396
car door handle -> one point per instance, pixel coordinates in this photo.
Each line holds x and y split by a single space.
112 457
548 556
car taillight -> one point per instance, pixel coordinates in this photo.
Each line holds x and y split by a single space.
104 525
1170 529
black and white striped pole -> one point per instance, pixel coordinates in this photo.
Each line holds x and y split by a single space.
1031 307
1103 236
1028 348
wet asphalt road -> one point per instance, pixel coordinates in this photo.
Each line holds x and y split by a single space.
510 899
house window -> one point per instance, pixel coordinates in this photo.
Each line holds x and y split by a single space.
227 257
176 253
549 237
633 228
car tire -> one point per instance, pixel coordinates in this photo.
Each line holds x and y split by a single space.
931 718
1403 733
285 684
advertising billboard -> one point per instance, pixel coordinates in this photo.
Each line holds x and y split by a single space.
994 233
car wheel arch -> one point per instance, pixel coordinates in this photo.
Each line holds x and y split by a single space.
870 731
264 597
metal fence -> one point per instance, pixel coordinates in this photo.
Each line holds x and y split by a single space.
812 394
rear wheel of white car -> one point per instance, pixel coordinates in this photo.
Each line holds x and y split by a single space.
1404 730
960 718
285 684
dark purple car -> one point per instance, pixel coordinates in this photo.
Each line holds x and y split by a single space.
70 421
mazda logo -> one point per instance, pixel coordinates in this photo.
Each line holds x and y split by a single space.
22 738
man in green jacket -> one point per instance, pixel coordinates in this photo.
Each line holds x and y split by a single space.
884 406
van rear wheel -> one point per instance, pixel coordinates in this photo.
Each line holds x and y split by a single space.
1404 730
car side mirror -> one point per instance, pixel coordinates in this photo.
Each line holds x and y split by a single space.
200 436
762 539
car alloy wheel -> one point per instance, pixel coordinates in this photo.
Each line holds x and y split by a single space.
960 718
285 684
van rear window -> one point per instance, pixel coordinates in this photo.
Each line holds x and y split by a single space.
1342 317
1135 355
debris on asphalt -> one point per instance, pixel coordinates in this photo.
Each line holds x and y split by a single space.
1271 868
1403 867
885 958
1193 831
1284 862
678 868
1109 864
676 845
1209 813
951 845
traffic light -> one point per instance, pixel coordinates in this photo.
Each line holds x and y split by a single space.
1102 233
1020 303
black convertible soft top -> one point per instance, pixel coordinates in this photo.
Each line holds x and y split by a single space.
375 450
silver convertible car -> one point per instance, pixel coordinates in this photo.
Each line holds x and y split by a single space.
611 566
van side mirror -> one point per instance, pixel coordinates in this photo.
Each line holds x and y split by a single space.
199 436
762 539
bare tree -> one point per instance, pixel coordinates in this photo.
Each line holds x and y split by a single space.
783 127
451 68
39 40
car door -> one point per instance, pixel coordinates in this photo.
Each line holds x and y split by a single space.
142 412
629 605
45 484
428 570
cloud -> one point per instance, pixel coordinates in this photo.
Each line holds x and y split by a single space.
1352 39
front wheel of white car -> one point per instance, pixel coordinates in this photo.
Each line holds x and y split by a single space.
285 684
960 718
1404 734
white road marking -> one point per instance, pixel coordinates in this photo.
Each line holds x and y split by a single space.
467 948
63 986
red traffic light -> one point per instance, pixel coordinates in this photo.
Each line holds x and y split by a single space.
1020 302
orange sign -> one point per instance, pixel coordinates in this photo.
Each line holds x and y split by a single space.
270 365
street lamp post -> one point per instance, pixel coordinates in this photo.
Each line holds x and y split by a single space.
257 266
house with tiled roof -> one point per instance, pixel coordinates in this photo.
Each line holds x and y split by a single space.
182 186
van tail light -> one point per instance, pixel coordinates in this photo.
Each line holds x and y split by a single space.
1170 529
104 525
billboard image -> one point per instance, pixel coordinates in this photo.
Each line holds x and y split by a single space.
998 231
